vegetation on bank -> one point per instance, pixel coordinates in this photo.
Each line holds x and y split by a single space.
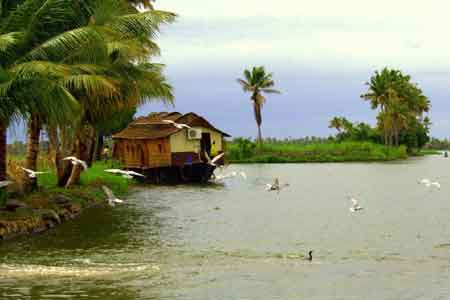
50 205
245 151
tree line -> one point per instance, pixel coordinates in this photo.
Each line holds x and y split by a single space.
401 118
76 69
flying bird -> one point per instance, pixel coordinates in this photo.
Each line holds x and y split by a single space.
31 173
111 199
77 162
125 173
177 125
355 206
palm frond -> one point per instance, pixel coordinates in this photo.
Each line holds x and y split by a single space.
92 85
270 91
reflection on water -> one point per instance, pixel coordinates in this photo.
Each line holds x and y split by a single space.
237 241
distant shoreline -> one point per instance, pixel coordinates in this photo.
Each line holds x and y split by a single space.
320 153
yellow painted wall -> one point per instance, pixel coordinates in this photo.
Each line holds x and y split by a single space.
180 143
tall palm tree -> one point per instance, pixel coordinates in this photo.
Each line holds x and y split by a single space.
337 123
257 82
97 60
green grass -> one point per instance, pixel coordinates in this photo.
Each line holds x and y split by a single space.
323 152
90 187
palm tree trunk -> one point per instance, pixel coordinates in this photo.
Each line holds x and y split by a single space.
259 136
55 152
33 135
84 142
75 170
3 128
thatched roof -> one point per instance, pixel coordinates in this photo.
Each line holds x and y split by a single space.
152 126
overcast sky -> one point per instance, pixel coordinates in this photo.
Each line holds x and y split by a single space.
321 53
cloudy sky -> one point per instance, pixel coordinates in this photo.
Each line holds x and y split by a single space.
321 53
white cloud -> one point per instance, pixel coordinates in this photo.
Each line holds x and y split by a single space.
322 33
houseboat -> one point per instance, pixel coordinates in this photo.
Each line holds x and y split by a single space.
166 153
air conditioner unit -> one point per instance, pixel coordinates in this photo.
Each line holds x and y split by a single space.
194 134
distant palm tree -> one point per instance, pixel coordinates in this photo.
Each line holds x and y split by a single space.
257 82
336 123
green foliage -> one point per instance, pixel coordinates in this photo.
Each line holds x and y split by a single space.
241 148
282 152
401 105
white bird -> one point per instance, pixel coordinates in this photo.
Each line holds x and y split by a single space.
77 162
112 200
177 125
31 173
225 176
429 183
355 206
125 173
5 183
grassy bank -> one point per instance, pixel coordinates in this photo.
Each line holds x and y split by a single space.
51 205
243 151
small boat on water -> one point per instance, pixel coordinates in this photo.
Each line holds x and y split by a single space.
170 147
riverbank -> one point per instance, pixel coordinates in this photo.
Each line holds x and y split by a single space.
245 152
51 205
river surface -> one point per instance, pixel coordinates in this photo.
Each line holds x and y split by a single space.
238 241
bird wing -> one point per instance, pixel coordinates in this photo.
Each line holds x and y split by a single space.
135 173
117 200
168 121
113 171
243 175
217 158
83 164
108 192
70 158
37 173
28 170
185 126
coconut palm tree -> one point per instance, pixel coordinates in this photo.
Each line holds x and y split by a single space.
258 82
101 61
337 123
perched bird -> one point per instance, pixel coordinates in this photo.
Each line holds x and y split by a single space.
111 199
31 173
125 173
243 175
310 255
5 183
177 125
77 162
355 207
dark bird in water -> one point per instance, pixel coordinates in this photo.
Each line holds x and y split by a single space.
310 255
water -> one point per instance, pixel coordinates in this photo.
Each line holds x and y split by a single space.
237 241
